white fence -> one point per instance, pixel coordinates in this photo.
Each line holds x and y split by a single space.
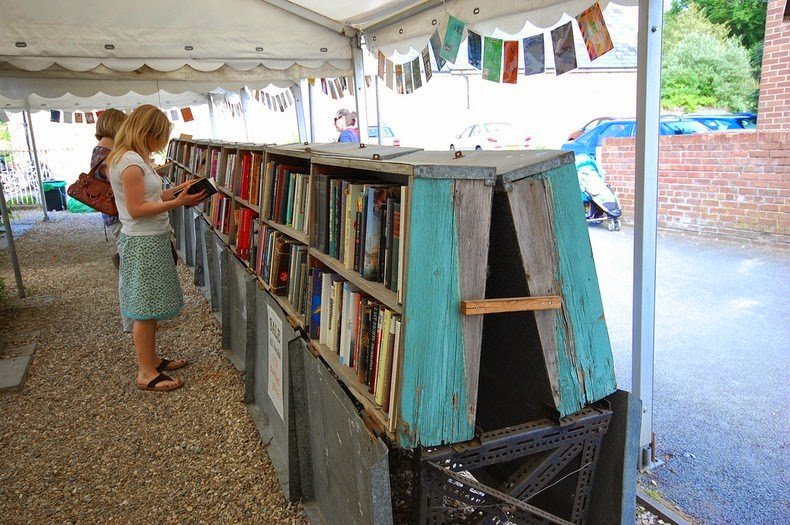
20 180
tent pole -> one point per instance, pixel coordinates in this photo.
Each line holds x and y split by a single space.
244 101
212 117
9 236
310 109
359 86
296 91
646 217
37 164
378 112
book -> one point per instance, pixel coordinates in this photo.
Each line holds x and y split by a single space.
391 401
384 363
201 184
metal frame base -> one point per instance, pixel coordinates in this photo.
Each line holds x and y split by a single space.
493 479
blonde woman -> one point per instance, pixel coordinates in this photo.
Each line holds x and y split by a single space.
150 290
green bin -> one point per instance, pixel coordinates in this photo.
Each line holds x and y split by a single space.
55 194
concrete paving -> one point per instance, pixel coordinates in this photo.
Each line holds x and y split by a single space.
13 371
721 369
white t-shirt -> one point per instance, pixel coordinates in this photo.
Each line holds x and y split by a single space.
154 225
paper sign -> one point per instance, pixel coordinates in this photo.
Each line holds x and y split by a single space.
174 115
415 71
78 118
510 62
492 59
452 39
534 55
564 48
399 78
90 118
408 81
68 117
186 114
389 70
382 62
54 115
474 46
426 64
594 31
275 337
436 46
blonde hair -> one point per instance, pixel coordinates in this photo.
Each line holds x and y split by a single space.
146 130
349 116
108 123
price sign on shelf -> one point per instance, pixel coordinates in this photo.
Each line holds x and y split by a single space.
275 383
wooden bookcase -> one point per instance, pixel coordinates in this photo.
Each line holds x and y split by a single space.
496 233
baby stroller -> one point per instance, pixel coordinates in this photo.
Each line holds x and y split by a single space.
600 201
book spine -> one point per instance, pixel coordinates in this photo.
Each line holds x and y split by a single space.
388 239
382 370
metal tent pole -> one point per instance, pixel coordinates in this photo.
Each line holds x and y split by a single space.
378 112
646 216
310 109
244 100
9 235
212 117
296 91
37 164
360 88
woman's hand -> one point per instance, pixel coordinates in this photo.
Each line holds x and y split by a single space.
185 199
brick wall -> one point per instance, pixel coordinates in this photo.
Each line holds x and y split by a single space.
774 109
734 183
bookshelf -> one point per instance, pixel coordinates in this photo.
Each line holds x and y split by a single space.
449 228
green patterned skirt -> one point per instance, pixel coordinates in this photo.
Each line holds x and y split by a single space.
149 286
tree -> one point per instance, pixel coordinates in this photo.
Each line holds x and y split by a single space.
703 66
745 19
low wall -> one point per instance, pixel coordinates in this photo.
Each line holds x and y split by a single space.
734 183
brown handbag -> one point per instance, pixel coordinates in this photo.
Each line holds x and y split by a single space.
94 192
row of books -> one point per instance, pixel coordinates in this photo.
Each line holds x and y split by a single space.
363 332
359 224
219 210
245 232
286 195
282 264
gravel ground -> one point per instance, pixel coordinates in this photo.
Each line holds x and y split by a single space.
80 444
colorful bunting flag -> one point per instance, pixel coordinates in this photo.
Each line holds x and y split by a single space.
382 62
324 88
90 118
289 98
564 49
426 63
186 115
268 98
474 45
436 46
343 84
492 59
594 31
388 74
54 115
98 113
408 81
452 39
174 115
534 55
78 119
332 89
415 71
399 78
68 117
510 62
339 88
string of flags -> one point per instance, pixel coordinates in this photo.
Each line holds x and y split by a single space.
279 102
90 117
338 87
497 59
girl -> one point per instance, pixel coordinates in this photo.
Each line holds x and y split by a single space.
150 289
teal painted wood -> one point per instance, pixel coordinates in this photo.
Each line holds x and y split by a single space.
433 390
585 354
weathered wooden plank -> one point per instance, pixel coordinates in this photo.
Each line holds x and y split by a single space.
472 229
516 304
433 399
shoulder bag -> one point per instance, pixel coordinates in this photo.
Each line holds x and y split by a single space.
94 192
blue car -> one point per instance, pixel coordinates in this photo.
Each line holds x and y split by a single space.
588 142
726 121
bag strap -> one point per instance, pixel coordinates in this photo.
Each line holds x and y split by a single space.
93 170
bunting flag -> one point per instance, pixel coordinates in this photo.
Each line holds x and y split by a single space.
3 116
436 46
339 88
408 81
332 89
324 87
90 118
388 72
399 78
78 118
474 46
534 55
452 39
54 115
343 84
289 98
564 48
426 62
174 115
268 98
594 31
415 71
510 62
492 59
68 117
186 115
382 63
98 113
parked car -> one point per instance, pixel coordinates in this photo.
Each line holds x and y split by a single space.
387 138
726 121
491 136
587 127
589 142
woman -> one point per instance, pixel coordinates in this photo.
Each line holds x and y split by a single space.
107 126
344 123
150 290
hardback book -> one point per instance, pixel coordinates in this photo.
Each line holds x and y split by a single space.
365 314
384 360
243 188
266 191
323 311
390 405
321 211
395 258
337 304
400 219
376 199
281 266
373 352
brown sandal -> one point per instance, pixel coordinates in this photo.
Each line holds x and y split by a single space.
151 386
167 365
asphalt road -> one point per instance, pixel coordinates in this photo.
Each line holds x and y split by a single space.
722 364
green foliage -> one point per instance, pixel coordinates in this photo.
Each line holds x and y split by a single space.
703 67
5 135
744 19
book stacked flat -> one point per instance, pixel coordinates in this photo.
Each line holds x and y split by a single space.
281 263
359 224
285 196
364 333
